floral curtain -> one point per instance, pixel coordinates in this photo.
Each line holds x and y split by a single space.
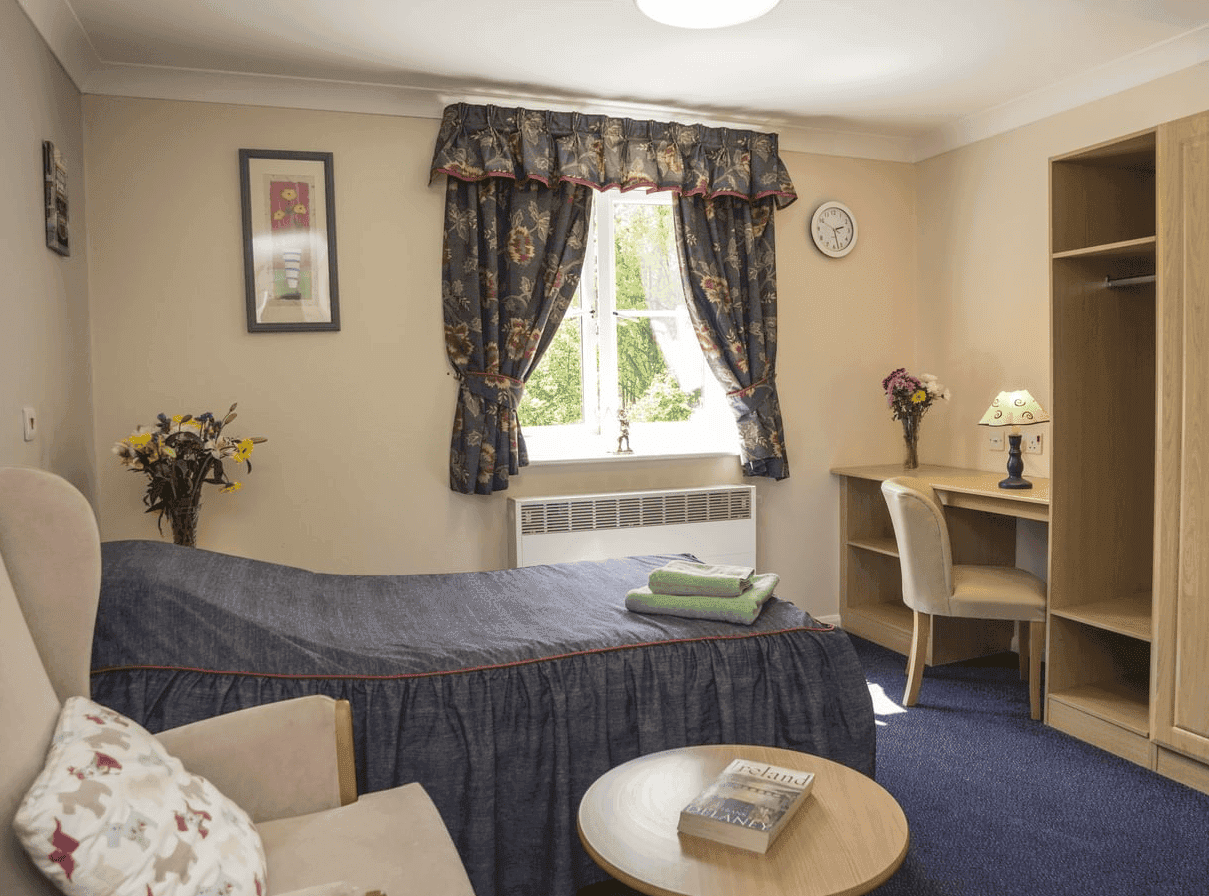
517 203
728 260
521 145
512 260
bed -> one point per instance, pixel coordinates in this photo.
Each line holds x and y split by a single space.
504 693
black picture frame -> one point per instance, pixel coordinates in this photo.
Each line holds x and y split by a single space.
54 185
289 240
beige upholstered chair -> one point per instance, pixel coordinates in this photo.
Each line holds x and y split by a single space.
288 764
933 585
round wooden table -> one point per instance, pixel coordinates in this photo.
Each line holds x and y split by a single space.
847 838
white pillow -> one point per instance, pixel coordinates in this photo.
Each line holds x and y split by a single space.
113 814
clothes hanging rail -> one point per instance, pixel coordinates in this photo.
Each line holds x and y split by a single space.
1120 282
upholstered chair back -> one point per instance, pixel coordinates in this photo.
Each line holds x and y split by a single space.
924 552
49 587
52 550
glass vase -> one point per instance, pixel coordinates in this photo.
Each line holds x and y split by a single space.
911 441
182 519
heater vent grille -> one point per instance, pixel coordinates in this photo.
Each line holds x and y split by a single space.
717 524
591 512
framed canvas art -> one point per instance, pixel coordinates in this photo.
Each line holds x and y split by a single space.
54 178
289 240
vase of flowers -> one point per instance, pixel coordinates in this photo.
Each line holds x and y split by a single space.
179 455
909 398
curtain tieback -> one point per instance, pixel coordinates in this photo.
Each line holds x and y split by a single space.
746 401
495 387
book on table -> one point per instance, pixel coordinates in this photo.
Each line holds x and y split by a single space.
747 805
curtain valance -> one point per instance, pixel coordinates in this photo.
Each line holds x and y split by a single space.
477 142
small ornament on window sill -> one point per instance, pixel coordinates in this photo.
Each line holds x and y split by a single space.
623 428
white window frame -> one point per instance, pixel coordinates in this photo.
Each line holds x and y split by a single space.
711 432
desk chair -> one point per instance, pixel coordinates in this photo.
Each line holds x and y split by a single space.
933 585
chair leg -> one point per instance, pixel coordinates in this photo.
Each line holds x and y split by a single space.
1022 644
1036 647
921 635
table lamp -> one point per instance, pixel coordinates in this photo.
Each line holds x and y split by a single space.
1014 409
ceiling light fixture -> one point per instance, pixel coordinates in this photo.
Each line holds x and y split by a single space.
704 13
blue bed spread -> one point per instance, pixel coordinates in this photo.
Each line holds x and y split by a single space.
504 693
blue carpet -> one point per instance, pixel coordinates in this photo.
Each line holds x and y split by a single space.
1000 804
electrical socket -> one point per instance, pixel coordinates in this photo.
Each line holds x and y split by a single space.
1032 443
995 440
29 423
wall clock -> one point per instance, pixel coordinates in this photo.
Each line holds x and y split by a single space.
833 228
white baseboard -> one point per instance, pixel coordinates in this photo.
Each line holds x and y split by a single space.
829 620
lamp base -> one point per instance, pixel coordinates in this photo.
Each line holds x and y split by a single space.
1015 465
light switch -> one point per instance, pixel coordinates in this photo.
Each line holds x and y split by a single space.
29 423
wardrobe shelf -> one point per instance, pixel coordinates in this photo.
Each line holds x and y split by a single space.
1140 248
1129 615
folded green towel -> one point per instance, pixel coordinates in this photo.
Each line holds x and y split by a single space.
742 609
705 579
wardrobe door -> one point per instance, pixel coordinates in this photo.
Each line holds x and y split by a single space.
1181 704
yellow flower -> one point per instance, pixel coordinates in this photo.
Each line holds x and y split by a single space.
289 194
242 451
300 209
233 487
918 396
140 439
279 215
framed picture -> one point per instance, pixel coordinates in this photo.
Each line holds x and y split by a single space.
54 184
289 240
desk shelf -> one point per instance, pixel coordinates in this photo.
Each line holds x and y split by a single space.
887 546
982 527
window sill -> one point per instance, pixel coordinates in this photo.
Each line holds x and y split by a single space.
547 449
609 458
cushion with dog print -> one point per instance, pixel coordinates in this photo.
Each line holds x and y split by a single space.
113 814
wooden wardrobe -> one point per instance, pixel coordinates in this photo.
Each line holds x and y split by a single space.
1128 655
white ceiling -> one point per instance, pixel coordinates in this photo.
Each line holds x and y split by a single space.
895 79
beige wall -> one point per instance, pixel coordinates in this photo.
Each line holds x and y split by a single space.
354 475
354 478
984 270
44 353
984 250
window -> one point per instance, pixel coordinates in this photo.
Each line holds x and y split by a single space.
626 345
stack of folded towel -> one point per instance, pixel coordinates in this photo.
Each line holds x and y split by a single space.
704 591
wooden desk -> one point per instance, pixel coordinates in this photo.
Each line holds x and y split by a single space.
982 528
847 838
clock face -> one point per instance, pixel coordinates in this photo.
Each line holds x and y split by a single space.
833 228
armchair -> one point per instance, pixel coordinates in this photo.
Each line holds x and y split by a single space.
288 765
